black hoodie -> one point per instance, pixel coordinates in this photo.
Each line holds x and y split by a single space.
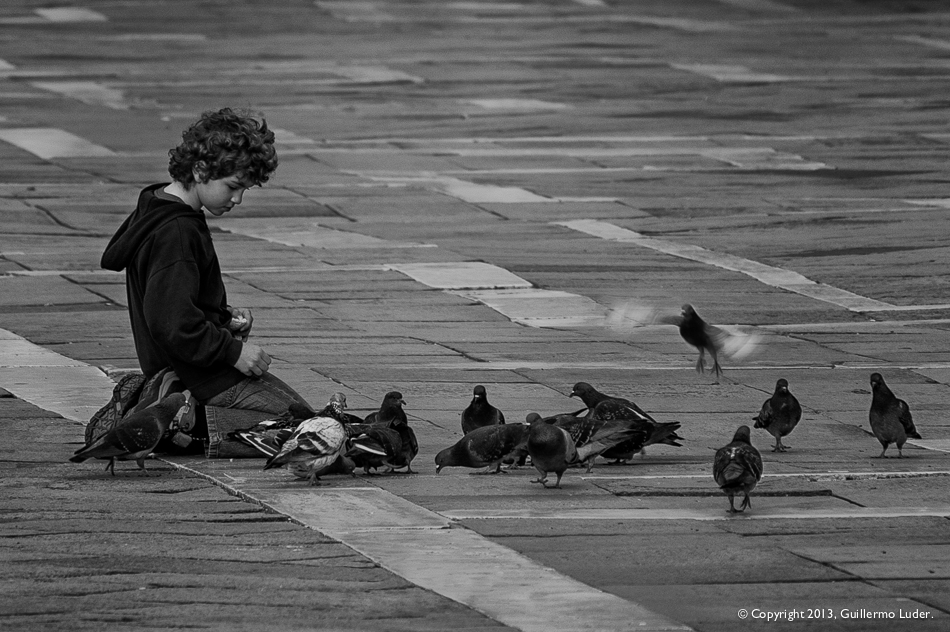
177 300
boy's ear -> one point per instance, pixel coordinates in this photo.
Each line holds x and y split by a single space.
200 171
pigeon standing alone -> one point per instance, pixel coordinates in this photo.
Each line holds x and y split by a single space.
135 436
738 468
480 412
485 446
779 415
890 417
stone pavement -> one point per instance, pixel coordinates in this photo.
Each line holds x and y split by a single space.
466 189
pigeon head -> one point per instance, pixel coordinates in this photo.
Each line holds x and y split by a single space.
688 310
580 389
479 392
781 386
531 417
878 387
444 458
394 398
743 434
339 399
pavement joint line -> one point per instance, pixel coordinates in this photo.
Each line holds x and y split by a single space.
830 475
766 274
699 515
507 365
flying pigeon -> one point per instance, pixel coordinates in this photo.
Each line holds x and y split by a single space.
890 417
779 415
135 436
389 410
738 468
701 335
485 446
317 442
480 413
553 450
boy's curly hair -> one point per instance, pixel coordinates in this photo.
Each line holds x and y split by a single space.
227 143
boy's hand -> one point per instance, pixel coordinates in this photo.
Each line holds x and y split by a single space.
241 321
253 360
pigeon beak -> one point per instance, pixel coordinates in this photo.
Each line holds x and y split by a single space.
438 469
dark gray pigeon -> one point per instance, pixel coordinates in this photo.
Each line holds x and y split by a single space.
738 468
779 415
135 436
592 398
486 446
890 417
604 408
384 438
480 412
553 450
700 334
390 410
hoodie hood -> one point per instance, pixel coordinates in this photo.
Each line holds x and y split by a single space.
152 212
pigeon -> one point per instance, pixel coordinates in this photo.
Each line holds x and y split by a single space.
592 397
336 408
604 408
738 468
410 445
317 442
376 446
342 465
385 438
553 450
701 335
779 415
389 410
485 446
269 435
135 436
890 417
480 413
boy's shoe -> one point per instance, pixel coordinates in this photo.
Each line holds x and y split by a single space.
124 396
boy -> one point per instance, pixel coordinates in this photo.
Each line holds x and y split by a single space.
183 326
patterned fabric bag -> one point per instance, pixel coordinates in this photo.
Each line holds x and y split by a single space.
124 396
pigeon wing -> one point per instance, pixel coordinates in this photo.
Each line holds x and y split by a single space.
907 420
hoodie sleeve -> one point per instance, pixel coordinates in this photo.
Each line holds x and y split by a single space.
183 303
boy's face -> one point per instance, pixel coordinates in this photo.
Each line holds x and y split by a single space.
221 195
